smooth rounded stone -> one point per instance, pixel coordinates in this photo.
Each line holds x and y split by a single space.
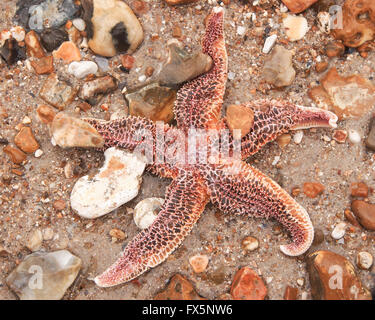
68 132
278 68
332 277
112 27
339 231
199 263
38 153
182 66
365 213
152 101
370 141
116 183
51 14
33 46
364 260
79 23
25 140
269 43
146 211
297 6
46 114
34 242
179 288
102 63
247 285
82 69
250 243
53 38
354 136
44 275
297 137
295 27
239 117
283 140
359 189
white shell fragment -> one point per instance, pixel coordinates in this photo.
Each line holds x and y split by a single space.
269 43
339 231
81 69
116 183
146 211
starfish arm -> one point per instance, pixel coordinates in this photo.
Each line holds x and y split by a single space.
185 201
199 101
241 189
273 118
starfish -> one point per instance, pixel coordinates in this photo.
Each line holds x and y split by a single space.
244 191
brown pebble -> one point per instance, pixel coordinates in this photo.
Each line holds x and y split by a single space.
59 204
296 191
127 61
176 32
313 189
290 293
25 140
321 66
340 135
283 140
45 113
149 71
365 213
359 189
33 46
335 49
68 52
349 215
117 234
43 65
84 106
16 155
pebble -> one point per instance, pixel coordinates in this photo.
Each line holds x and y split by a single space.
321 66
179 288
179 2
250 243
43 65
332 277
79 23
92 91
56 92
38 153
127 61
241 30
334 49
33 46
318 236
68 52
359 189
59 205
340 136
51 14
296 27
354 136
239 117
116 183
301 282
269 43
278 68
82 69
290 293
365 213
18 33
146 211
117 234
34 242
115 28
247 285
11 52
48 234
339 231
102 63
44 275
199 263
313 189
53 38
297 137
16 155
25 140
182 66
45 113
364 260
283 140
152 101
297 6
68 132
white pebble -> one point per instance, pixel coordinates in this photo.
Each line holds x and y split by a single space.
354 136
275 160
38 153
81 69
79 24
295 27
339 231
297 138
142 78
18 33
241 30
364 260
269 43
146 211
231 75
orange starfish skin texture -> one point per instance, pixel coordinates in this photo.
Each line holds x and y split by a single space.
232 185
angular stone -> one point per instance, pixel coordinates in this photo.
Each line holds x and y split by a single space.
146 211
112 27
179 288
52 38
43 65
25 140
199 263
239 117
153 101
332 277
44 275
340 135
313 189
365 213
247 285
68 132
347 97
116 183
16 155
181 66
35 240
364 260
92 91
359 189
297 6
11 52
57 93
278 68
68 52
33 46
